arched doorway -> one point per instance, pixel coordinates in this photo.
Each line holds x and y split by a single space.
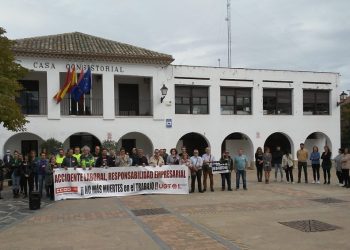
279 140
319 140
192 141
81 139
136 140
235 141
23 143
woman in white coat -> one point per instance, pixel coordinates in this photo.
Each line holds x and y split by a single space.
288 165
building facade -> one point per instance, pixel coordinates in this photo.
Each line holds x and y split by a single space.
224 108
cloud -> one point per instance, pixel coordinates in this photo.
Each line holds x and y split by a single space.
297 35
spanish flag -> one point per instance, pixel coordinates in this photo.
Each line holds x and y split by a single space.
71 81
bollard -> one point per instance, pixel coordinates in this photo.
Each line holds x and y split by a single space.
34 200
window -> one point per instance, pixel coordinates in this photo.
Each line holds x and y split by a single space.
277 101
315 102
191 100
235 101
29 97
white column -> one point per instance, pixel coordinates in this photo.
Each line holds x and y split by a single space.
53 85
108 96
257 99
297 99
214 97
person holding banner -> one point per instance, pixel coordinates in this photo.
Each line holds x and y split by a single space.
69 161
241 163
59 157
173 158
114 161
133 156
185 160
141 159
183 150
196 171
226 159
208 158
86 159
156 159
124 160
97 153
104 160
77 154
163 154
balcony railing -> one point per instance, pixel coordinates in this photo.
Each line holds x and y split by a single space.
33 106
86 106
142 107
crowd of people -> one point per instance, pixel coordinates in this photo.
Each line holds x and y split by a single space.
30 173
265 161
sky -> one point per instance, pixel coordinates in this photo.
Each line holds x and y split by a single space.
269 34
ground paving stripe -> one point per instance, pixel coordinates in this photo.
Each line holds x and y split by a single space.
27 216
247 206
200 227
142 225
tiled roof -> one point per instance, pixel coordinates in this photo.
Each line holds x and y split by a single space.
79 46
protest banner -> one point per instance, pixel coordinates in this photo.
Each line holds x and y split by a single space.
120 181
219 168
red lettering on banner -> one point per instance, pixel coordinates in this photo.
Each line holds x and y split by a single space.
66 190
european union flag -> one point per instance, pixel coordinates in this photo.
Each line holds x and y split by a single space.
83 86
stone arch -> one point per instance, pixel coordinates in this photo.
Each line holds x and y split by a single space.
237 140
23 142
318 139
279 139
193 141
136 140
81 139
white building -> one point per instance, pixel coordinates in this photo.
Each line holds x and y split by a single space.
219 107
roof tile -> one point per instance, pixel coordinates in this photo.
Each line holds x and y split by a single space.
80 46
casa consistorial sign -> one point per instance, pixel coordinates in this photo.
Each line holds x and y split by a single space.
80 66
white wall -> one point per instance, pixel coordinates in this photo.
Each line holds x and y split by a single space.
214 127
233 146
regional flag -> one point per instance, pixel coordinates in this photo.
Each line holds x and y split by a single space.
66 82
83 86
66 89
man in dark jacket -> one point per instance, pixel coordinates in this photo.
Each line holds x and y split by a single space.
277 162
42 164
226 159
104 160
141 159
69 161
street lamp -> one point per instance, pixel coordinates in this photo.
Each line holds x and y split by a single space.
342 98
164 91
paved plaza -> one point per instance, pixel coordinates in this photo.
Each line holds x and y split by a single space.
214 220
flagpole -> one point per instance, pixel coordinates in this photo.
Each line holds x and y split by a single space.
91 96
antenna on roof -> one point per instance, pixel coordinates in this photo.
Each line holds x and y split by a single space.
228 19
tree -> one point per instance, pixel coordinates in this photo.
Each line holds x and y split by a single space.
11 116
109 144
51 145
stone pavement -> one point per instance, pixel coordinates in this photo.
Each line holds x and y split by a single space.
213 220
